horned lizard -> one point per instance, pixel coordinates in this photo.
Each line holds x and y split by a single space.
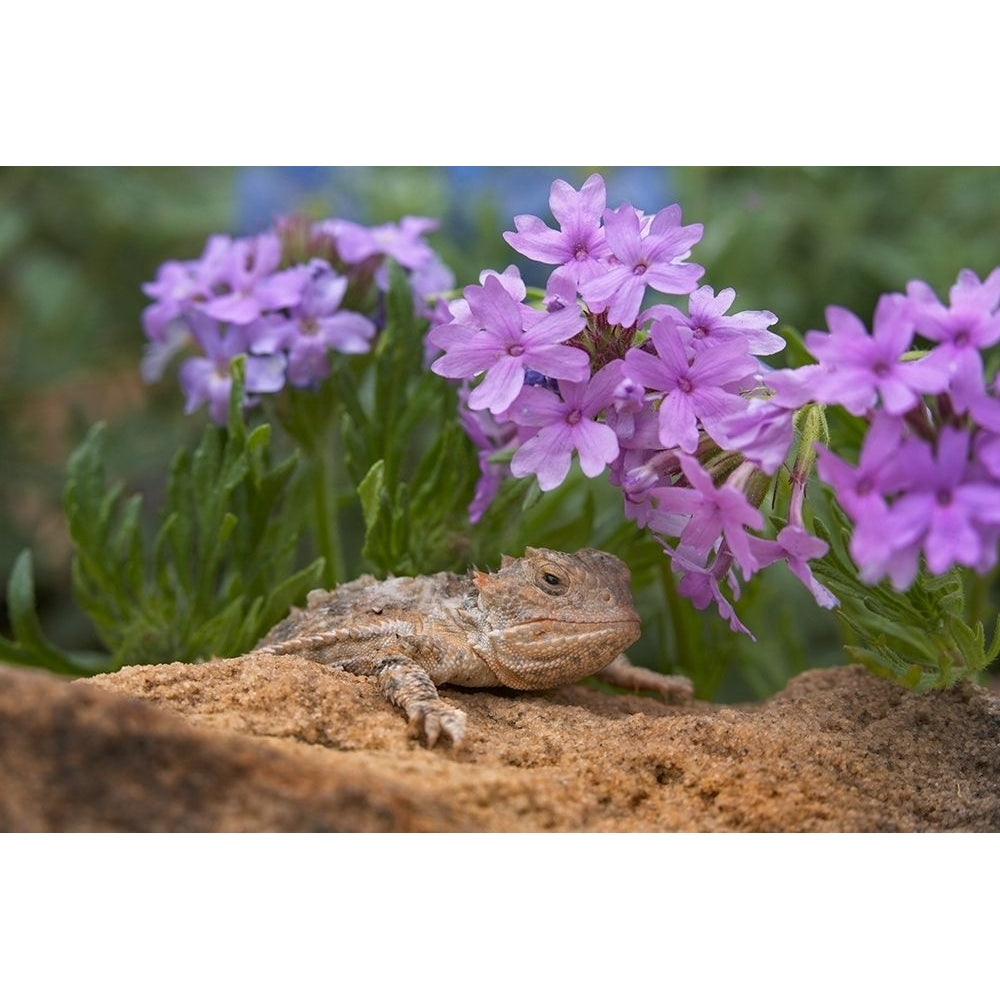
546 619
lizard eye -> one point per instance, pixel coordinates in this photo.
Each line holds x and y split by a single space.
552 583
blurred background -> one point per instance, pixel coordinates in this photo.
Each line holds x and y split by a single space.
76 244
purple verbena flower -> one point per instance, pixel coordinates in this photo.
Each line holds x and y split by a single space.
180 286
701 584
429 282
940 508
207 379
986 447
645 473
566 423
638 261
695 388
762 433
256 286
560 293
505 342
492 437
792 388
858 368
637 429
315 326
403 241
643 463
961 330
862 490
708 325
510 277
628 399
578 247
714 510
970 322
796 547
160 351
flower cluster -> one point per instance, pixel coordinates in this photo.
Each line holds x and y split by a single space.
927 477
664 398
670 398
285 298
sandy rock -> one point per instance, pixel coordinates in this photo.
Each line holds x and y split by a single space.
279 743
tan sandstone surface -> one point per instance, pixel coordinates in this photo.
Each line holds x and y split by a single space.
261 742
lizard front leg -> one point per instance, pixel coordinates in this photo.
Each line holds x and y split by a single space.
623 674
407 685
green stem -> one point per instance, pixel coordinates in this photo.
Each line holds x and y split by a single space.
310 418
976 595
685 651
326 529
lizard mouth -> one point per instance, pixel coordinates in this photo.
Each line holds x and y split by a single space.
541 630
545 653
623 619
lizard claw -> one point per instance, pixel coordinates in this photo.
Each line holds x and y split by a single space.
434 718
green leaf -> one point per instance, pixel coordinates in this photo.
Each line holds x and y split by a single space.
399 530
30 647
371 491
222 558
917 638
126 547
290 591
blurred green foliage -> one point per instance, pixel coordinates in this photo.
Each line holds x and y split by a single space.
77 243
219 572
794 240
75 247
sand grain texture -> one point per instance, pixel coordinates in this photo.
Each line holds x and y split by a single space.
261 742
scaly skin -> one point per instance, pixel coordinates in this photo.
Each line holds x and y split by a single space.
546 619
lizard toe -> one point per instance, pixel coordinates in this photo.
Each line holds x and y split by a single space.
433 718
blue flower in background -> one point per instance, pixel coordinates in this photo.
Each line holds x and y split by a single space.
525 190
263 193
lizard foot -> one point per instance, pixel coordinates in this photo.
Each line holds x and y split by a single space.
408 686
623 674
434 717
672 687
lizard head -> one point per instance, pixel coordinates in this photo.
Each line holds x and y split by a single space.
552 618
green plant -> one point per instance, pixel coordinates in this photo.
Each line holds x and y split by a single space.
219 571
